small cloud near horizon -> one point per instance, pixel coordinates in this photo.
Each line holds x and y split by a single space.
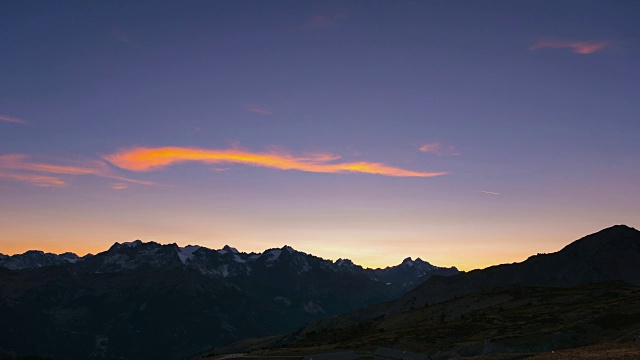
578 47
143 159
438 148
489 192
12 119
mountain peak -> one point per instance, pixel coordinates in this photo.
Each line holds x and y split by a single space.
407 262
124 245
606 240
228 249
289 249
344 263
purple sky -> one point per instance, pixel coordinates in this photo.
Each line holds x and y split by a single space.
467 133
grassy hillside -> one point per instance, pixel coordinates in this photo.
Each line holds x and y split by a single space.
509 322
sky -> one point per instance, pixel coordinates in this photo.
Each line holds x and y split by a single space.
466 133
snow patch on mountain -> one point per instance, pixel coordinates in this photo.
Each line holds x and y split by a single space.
273 254
131 244
186 253
228 249
283 299
407 262
313 308
224 270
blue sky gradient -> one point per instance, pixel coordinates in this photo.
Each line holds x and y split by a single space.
531 109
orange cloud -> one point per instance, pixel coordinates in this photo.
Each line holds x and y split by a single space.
20 167
578 47
12 120
148 159
259 110
438 149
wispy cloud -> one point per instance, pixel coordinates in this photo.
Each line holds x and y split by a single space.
34 179
119 186
259 110
149 159
326 18
22 167
578 47
438 148
12 119
489 192
120 36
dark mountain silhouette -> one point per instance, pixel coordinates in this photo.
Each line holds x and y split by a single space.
612 254
140 300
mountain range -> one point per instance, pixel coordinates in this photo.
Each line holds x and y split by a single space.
142 299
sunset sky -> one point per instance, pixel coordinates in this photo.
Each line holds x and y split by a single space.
466 133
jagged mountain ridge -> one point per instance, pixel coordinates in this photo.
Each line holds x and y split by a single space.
35 258
143 299
226 262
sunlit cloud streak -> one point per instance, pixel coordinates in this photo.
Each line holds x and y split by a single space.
119 186
21 167
489 192
437 148
12 120
578 47
149 159
259 110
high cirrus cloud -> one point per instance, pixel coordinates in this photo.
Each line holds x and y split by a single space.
578 47
23 168
438 149
148 159
12 119
35 179
259 110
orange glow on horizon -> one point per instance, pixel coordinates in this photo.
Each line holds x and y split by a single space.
149 159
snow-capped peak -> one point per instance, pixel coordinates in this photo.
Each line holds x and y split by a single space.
130 244
228 249
407 262
273 254
344 263
186 253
